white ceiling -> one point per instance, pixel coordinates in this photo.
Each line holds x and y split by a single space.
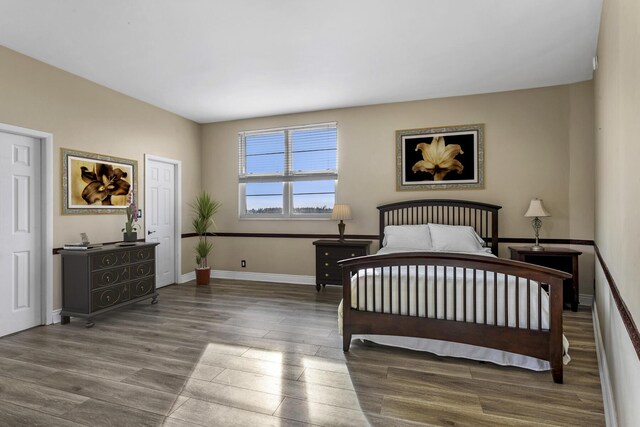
229 59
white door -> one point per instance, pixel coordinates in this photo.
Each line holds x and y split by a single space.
20 233
160 223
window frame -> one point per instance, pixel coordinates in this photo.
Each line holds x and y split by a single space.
287 178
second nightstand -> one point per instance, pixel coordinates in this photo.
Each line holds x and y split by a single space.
329 252
563 259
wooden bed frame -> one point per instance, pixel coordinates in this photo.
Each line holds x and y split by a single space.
527 339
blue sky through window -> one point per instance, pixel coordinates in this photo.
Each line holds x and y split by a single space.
314 149
265 196
314 195
265 153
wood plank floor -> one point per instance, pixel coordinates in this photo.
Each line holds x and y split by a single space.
241 353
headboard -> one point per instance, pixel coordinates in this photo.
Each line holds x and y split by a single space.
482 217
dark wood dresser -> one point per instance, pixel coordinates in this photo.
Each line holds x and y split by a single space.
563 259
329 252
99 280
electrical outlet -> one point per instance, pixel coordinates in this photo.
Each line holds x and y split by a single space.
243 263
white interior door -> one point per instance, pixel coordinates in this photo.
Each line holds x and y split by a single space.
160 223
20 233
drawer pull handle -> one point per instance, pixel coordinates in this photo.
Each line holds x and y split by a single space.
326 274
353 254
326 264
326 254
107 261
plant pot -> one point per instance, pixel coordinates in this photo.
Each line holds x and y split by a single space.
203 275
130 237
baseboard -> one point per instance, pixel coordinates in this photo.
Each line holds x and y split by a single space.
55 316
610 417
586 300
184 278
264 277
253 277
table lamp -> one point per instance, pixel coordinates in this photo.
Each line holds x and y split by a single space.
535 211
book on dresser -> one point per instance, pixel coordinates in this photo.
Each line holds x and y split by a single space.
104 278
81 246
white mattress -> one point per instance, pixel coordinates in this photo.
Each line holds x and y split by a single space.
445 348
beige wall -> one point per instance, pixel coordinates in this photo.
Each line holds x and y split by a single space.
538 143
617 103
85 116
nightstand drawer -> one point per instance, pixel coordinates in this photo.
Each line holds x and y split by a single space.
340 253
332 275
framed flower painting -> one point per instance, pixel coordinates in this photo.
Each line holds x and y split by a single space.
440 158
94 183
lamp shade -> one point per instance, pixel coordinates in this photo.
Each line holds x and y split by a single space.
341 212
536 208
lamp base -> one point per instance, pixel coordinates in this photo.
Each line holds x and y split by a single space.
341 227
536 223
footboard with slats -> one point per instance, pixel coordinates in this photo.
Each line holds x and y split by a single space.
484 301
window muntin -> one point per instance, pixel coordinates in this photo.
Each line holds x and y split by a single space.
289 172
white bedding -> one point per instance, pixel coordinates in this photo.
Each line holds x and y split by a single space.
426 275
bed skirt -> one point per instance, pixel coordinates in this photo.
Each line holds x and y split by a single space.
464 351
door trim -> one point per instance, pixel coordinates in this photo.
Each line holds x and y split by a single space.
46 186
177 225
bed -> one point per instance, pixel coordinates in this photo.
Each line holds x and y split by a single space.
451 296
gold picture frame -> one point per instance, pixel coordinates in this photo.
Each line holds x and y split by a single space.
450 157
95 183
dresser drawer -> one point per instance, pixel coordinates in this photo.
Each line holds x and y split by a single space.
142 254
143 269
108 260
110 277
106 297
141 288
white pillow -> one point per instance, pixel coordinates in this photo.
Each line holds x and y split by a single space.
455 238
407 237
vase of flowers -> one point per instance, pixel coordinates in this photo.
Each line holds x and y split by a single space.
129 232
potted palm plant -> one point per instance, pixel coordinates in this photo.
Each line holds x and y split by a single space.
203 208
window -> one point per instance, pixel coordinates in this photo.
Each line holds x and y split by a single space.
288 172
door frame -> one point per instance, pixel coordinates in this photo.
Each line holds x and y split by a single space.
177 201
46 217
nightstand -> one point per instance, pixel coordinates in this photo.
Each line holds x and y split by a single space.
329 252
563 259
